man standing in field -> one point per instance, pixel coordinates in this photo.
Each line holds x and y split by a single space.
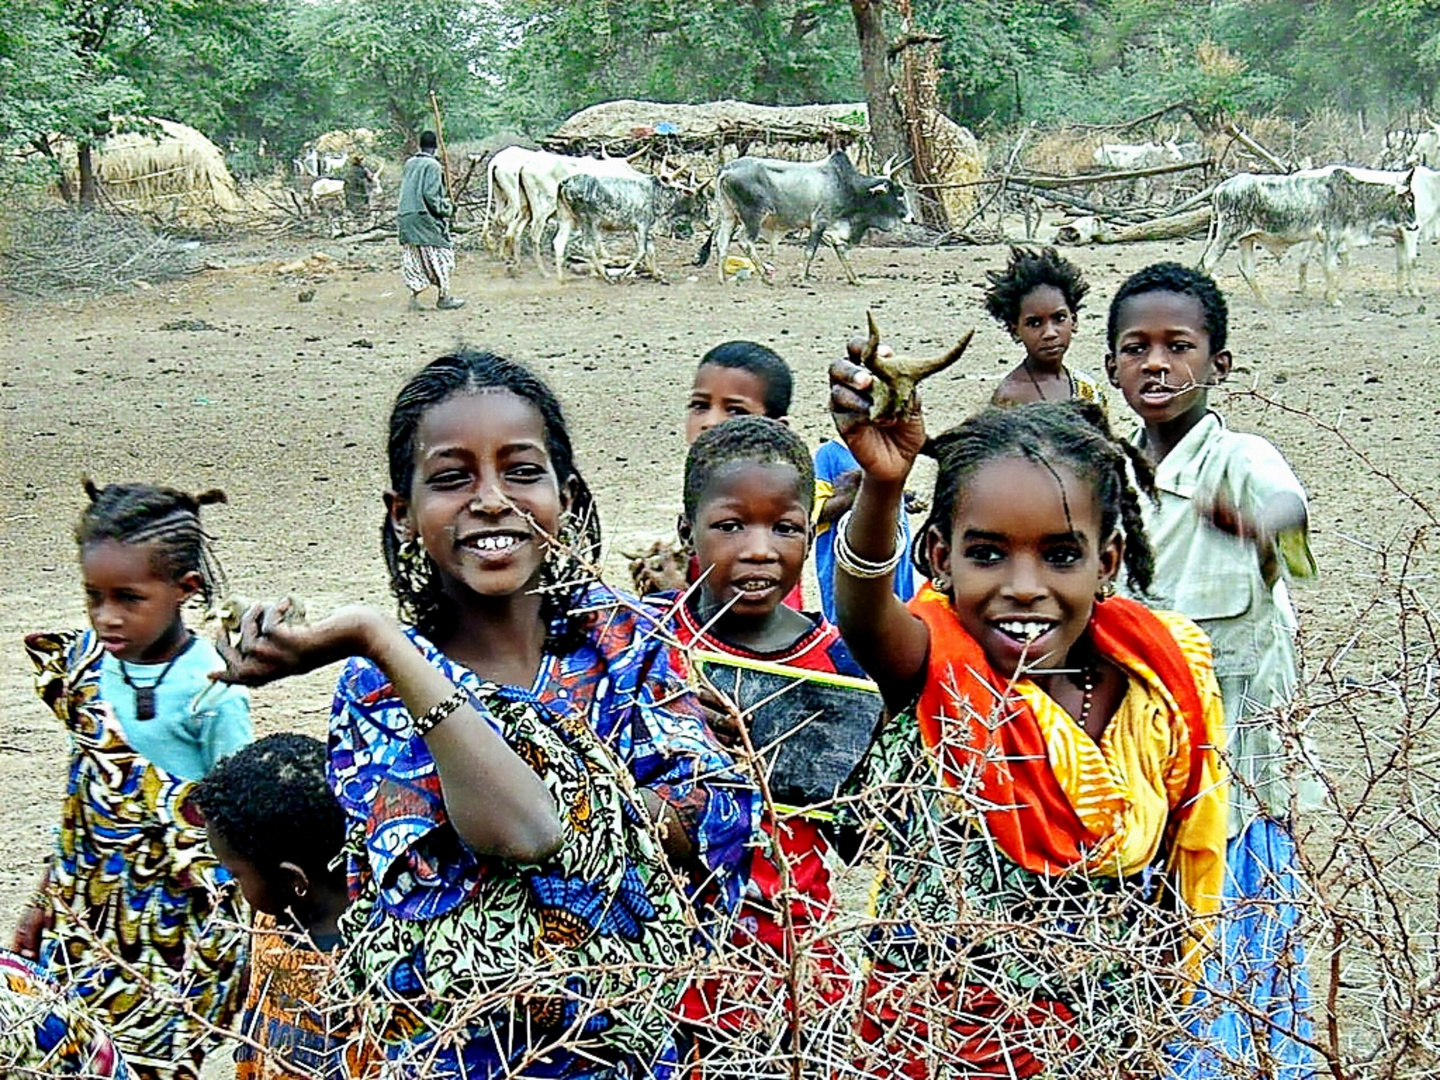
428 257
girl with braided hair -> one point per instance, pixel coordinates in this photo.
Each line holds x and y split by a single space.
132 914
524 774
1049 775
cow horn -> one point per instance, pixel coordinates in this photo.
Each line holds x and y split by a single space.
895 376
889 164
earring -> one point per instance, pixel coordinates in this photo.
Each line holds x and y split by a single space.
940 583
300 892
413 563
1106 590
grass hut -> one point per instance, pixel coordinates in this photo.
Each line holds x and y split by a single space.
171 169
708 135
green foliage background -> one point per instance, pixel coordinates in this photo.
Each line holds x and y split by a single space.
273 73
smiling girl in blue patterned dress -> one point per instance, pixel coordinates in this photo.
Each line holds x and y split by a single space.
518 764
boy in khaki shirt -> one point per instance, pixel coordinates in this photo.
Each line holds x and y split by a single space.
1229 530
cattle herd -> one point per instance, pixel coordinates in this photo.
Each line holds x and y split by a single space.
1323 212
831 200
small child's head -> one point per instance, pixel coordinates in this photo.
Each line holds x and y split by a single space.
1165 343
482 474
1032 517
737 378
143 554
1037 298
749 487
274 823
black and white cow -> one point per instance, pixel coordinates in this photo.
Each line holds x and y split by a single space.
592 204
831 198
1330 207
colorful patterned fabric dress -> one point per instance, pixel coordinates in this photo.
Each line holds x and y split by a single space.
148 931
291 1011
44 1033
481 968
1032 874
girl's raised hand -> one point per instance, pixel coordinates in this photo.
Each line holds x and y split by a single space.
885 449
271 643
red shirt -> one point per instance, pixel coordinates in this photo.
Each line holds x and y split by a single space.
736 1001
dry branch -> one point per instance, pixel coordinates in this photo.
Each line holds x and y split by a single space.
54 252
1255 148
1366 901
1091 179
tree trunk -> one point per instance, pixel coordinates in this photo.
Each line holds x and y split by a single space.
86 166
62 181
887 127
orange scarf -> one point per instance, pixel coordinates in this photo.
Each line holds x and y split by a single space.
996 731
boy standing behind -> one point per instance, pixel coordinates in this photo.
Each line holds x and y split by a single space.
1230 528
735 378
273 822
837 479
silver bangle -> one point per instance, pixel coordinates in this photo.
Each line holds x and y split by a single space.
852 564
426 722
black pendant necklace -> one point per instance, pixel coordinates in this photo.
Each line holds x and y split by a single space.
145 695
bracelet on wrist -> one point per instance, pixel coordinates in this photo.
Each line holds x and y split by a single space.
427 721
854 565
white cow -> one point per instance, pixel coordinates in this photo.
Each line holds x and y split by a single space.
327 194
1404 148
540 180
505 196
1147 155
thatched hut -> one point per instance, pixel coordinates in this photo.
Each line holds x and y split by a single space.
170 169
719 131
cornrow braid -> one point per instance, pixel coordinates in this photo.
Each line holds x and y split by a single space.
1073 434
751 439
165 517
421 598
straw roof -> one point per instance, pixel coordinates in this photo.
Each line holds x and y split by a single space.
174 168
627 125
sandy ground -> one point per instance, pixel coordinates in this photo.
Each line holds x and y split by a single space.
283 404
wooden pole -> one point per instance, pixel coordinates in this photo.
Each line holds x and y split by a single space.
440 135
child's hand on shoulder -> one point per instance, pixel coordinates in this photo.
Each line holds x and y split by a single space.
660 568
885 450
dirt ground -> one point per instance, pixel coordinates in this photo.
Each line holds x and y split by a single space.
283 403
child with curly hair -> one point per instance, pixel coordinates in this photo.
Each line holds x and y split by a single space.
1037 299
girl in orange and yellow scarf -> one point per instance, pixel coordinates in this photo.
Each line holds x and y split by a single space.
1049 780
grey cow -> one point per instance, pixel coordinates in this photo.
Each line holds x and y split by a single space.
594 203
1329 207
831 198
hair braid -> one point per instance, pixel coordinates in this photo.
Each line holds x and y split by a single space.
164 517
